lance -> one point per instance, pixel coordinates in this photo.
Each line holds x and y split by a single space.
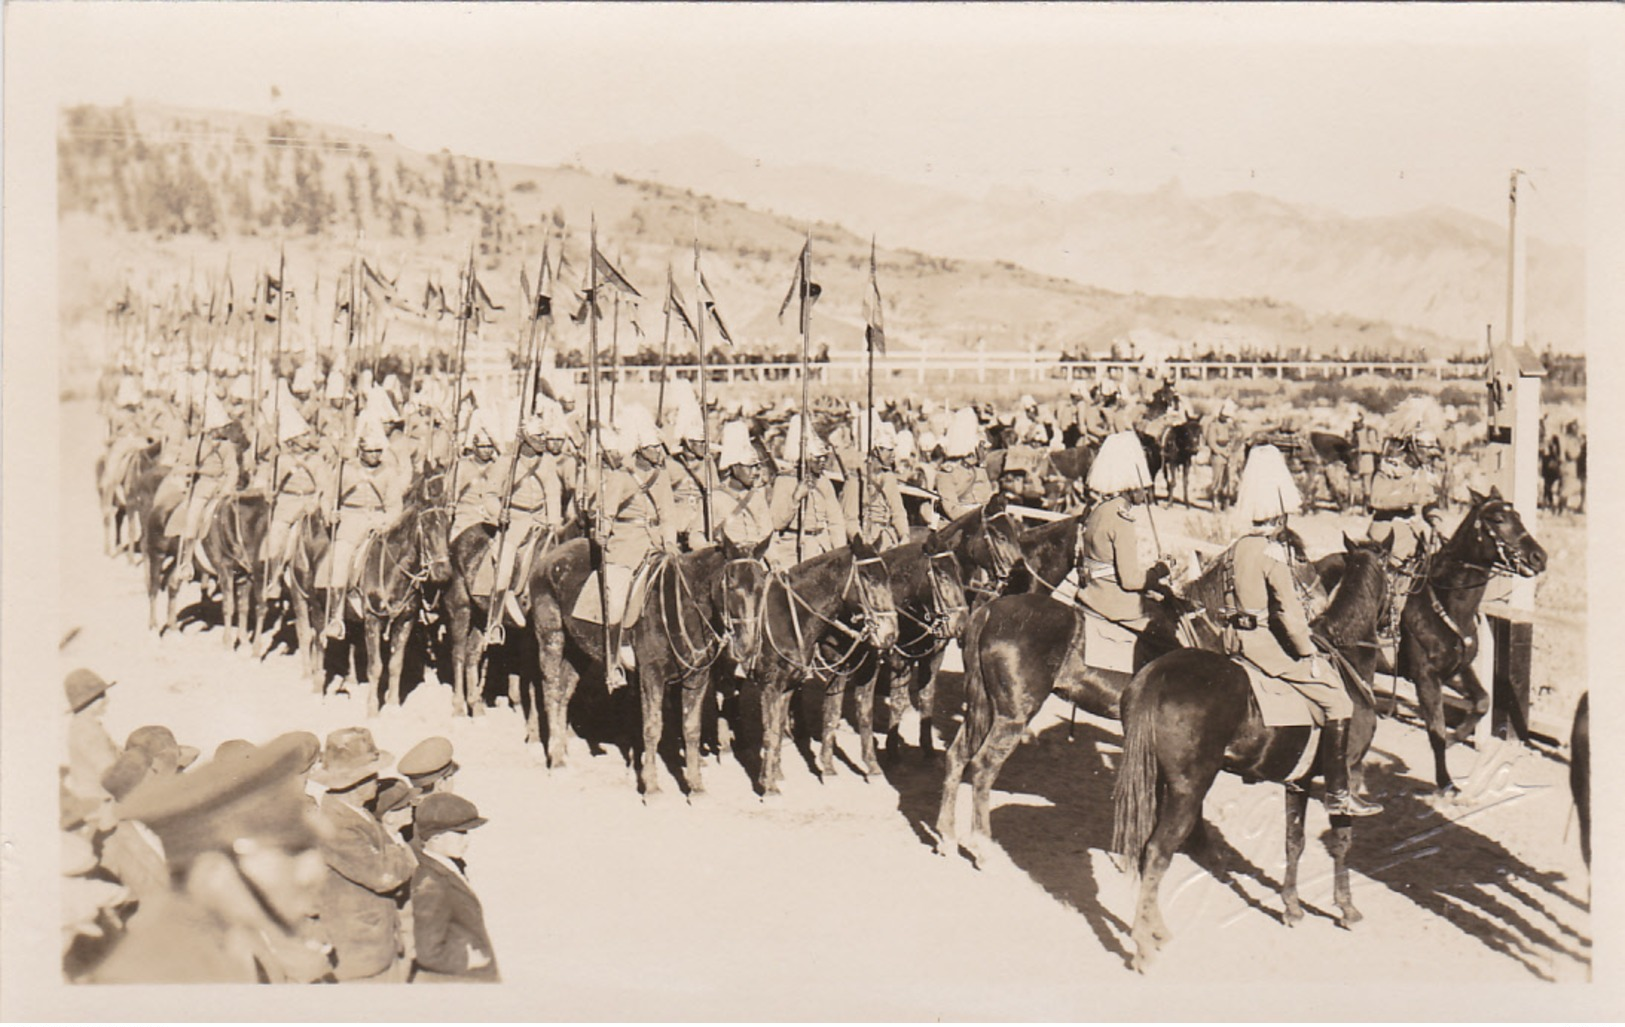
706 484
527 396
597 443
276 364
805 273
335 572
197 456
869 405
665 349
615 350
465 311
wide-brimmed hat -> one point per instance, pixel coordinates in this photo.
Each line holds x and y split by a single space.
156 741
84 687
441 812
350 757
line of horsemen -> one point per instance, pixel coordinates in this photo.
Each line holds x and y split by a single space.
348 452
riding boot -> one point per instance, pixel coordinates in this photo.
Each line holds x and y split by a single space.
183 559
1335 752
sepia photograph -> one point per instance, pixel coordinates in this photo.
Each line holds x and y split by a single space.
800 512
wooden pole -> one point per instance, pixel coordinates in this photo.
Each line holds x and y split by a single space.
706 484
596 438
805 276
665 351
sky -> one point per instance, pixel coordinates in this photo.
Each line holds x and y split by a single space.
1356 110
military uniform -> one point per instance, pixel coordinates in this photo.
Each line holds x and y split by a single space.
688 476
1114 571
304 482
217 467
963 486
371 500
884 520
1223 438
744 514
1263 593
535 507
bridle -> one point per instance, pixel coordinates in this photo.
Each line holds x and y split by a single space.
947 606
817 666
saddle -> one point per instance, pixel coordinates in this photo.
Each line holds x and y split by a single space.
625 590
1281 705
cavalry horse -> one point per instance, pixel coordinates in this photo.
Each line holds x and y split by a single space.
118 499
467 614
1024 647
395 566
1189 714
689 613
308 543
1438 628
1180 443
806 633
231 544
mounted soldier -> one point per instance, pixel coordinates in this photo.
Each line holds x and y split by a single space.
373 496
744 516
810 506
883 522
690 477
1402 494
639 519
210 470
531 501
303 469
1112 554
962 481
1368 446
1265 609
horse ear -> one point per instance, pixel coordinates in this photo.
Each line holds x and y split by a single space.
759 550
861 549
995 505
1386 546
1349 545
1495 492
1477 499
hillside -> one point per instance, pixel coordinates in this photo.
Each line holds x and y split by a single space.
160 198
1437 269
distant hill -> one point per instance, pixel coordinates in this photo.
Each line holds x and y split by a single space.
158 198
1437 269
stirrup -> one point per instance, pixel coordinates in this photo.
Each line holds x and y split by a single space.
495 634
1347 804
614 677
335 629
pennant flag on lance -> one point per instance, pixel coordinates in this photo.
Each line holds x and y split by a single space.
802 285
612 276
874 333
710 303
674 302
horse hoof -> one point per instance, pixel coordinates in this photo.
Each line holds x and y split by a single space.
871 770
1292 914
826 771
1349 916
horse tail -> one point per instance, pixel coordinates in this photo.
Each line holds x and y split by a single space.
1134 798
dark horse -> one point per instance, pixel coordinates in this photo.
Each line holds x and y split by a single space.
929 594
1020 649
119 507
1179 445
394 568
309 544
1438 629
814 621
467 614
697 610
687 617
231 544
1191 713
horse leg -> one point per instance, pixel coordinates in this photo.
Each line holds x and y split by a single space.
1342 839
1176 816
1002 739
400 635
373 626
866 720
696 697
928 703
1474 692
458 627
1430 696
228 606
834 695
775 700
1297 803
305 632
652 696
957 756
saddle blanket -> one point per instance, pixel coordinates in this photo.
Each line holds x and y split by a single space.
1279 703
1107 644
625 590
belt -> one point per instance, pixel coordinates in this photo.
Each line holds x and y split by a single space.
1099 570
527 509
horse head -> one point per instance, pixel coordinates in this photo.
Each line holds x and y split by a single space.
434 541
947 590
741 585
874 595
1366 588
1493 535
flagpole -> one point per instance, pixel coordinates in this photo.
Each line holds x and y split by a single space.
465 312
596 458
806 346
276 364
254 350
615 352
706 484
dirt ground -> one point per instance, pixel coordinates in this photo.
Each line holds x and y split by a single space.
829 903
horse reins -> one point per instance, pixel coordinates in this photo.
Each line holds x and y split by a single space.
816 666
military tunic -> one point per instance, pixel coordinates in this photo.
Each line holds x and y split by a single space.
218 467
1263 589
372 499
687 474
744 515
823 520
1114 571
885 520
964 486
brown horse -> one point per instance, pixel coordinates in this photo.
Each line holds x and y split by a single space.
1438 629
231 545
1189 714
304 598
815 620
395 566
118 500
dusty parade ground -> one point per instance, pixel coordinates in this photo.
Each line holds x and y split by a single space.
829 902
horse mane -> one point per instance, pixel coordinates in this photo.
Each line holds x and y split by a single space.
1355 606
